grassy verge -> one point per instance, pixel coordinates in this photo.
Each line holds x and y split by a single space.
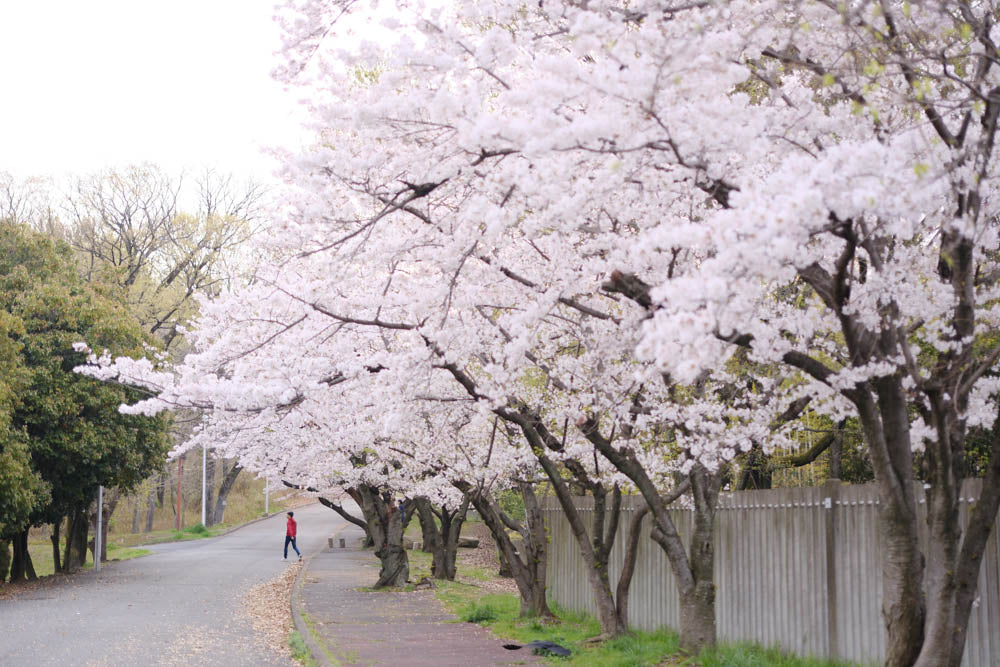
119 549
575 631
319 642
41 556
300 652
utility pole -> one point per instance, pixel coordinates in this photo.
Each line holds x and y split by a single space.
97 537
180 473
204 467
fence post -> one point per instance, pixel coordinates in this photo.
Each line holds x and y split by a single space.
831 494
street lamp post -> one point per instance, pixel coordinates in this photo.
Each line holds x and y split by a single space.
97 537
204 463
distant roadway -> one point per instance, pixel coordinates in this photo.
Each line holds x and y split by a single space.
182 605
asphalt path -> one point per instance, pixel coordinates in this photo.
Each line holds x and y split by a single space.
182 605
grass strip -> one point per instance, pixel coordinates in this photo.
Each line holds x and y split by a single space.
300 652
577 631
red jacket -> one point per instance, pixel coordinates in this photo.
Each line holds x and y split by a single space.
290 530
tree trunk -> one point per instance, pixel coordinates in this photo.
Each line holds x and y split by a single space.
428 529
111 498
4 559
75 554
837 453
161 487
21 568
628 565
150 510
954 560
227 485
386 528
56 565
451 531
595 546
697 607
209 489
528 567
698 633
441 540
886 428
136 512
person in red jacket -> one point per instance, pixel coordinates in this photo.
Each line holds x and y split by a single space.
290 530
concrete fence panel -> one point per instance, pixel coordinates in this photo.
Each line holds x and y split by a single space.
795 567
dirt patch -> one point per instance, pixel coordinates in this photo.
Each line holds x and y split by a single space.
484 556
267 605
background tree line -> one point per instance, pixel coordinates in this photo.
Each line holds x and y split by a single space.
119 257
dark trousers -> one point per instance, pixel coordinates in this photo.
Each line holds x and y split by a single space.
289 538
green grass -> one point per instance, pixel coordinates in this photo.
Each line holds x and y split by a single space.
300 652
41 556
577 632
319 642
752 655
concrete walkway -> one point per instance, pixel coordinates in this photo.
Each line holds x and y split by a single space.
381 628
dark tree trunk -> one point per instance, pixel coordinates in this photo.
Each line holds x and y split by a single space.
953 558
428 529
595 546
451 532
386 528
441 540
628 566
21 567
756 472
209 489
692 571
837 455
409 511
528 566
161 488
56 564
697 602
886 427
75 554
228 480
4 559
150 511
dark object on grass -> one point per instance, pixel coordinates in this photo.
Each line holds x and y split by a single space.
541 648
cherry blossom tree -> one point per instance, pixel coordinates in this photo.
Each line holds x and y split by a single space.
807 181
649 232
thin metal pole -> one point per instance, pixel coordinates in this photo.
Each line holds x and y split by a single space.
97 537
180 473
204 464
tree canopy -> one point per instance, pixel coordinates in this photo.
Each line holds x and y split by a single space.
59 427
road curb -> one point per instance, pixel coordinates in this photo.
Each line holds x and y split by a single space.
317 651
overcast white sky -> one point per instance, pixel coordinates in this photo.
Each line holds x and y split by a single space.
96 83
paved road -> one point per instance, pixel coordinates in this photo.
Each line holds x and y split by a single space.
179 606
